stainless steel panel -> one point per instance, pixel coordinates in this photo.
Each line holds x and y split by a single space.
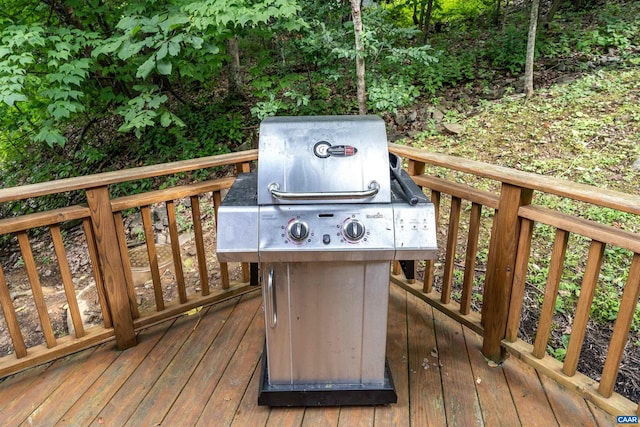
327 239
326 154
237 237
331 322
237 221
415 231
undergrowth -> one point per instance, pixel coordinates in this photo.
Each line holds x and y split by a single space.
587 131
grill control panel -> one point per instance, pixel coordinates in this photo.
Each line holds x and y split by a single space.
334 232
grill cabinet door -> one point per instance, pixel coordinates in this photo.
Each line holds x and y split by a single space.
326 322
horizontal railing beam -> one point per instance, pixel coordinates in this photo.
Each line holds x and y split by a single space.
586 193
43 219
583 227
161 196
115 177
455 189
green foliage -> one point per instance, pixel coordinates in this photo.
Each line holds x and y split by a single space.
458 10
561 352
42 73
385 95
89 59
325 50
507 49
186 41
449 70
611 28
208 130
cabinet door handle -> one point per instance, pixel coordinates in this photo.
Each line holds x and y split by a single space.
272 308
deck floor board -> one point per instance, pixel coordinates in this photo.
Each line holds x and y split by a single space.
493 391
204 369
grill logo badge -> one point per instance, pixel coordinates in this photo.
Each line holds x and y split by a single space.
324 149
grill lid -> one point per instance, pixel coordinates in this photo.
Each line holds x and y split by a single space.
326 159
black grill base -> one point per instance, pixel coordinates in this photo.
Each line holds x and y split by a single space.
325 394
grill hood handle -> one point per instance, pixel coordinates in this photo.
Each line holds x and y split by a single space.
274 190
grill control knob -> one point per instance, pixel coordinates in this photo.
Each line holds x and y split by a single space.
354 230
298 231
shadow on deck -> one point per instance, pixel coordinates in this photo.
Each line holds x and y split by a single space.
203 369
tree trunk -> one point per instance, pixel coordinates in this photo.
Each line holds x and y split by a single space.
356 12
531 45
235 90
427 22
552 11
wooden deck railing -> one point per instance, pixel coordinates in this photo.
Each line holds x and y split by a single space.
512 220
505 216
104 236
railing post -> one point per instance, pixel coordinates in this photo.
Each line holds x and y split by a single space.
106 238
500 268
417 168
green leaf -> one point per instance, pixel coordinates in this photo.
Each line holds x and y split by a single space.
11 98
174 48
196 42
109 46
162 52
165 119
164 68
127 23
146 68
156 101
129 49
173 22
51 136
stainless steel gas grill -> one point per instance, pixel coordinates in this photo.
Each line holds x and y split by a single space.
326 213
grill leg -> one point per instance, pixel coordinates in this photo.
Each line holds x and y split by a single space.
253 274
408 268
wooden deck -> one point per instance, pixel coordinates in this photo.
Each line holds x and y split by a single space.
203 369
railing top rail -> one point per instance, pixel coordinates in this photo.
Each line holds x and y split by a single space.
581 192
585 193
115 177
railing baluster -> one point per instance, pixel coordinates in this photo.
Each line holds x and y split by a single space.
97 273
587 291
430 264
126 262
243 167
224 268
470 258
519 280
395 268
551 292
10 317
202 258
67 282
153 256
36 288
246 274
175 250
621 328
450 256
